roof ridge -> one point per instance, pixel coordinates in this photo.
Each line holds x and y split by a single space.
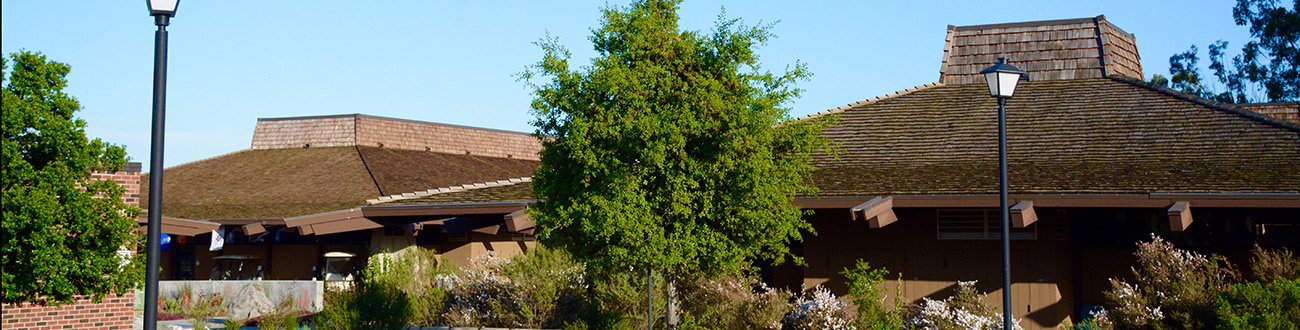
1225 107
872 100
449 189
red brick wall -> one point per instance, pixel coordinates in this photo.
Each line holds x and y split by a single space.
114 312
363 130
128 178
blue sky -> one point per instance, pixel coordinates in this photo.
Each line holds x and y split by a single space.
232 62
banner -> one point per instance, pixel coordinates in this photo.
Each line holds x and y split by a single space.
217 241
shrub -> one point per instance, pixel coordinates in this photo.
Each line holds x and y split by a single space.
1274 305
1270 265
818 309
413 271
964 310
1175 289
733 302
542 288
365 305
864 288
283 316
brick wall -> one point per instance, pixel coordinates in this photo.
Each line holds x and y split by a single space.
114 312
349 130
128 178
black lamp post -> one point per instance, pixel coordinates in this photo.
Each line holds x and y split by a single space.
1002 79
162 12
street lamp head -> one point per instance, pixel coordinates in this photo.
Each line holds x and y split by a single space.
1002 78
162 7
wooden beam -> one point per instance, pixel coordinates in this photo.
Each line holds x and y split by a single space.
518 221
252 229
878 211
490 230
353 224
1180 216
1022 214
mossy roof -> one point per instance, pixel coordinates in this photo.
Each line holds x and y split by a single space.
279 183
1086 136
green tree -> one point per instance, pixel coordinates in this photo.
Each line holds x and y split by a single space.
62 231
1267 64
673 151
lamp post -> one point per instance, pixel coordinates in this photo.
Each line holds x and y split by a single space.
162 12
1001 79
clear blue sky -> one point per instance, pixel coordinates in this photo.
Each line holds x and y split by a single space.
232 62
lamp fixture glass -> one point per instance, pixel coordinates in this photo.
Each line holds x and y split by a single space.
162 7
1002 78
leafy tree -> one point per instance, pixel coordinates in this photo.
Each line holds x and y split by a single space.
1268 64
673 150
62 231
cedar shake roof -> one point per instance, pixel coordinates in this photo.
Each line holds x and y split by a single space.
279 183
1086 136
1288 111
393 133
1048 50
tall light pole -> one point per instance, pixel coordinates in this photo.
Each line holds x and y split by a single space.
162 12
1001 79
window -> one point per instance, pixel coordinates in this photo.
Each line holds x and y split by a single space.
978 224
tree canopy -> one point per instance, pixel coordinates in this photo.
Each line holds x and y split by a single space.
1267 65
673 150
62 230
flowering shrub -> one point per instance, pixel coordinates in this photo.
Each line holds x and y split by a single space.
965 310
1270 265
542 288
1175 289
818 309
734 302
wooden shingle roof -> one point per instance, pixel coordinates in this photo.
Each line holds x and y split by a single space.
281 183
1049 50
1083 136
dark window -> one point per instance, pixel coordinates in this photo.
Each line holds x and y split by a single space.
978 224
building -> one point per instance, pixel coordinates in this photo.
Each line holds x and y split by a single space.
275 201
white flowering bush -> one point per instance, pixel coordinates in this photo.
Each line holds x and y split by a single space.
818 309
963 311
1175 289
540 289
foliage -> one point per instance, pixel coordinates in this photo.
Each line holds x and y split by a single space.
964 310
365 305
234 323
413 271
540 289
1273 305
1270 265
283 316
618 301
199 308
733 302
62 231
1268 63
818 309
1175 289
864 287
672 150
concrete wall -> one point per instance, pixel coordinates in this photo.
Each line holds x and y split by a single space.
308 295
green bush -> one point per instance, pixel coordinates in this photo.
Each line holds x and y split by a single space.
365 305
864 288
1274 305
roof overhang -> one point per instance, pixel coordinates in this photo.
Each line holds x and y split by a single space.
182 227
878 210
364 218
